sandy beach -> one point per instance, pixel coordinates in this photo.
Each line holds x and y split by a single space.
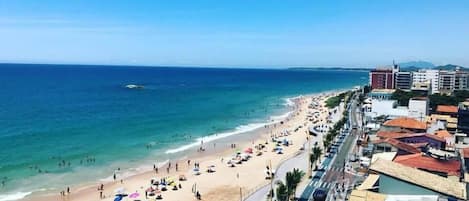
226 183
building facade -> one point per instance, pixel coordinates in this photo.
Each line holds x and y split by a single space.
418 108
446 82
382 79
403 80
427 79
461 80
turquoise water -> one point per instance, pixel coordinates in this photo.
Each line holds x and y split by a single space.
50 114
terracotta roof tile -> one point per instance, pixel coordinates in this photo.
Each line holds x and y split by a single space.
406 122
398 144
443 134
398 135
451 167
447 108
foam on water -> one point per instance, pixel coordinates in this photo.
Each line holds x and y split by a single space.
198 141
239 130
14 196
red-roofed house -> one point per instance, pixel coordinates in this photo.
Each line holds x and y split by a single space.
407 123
450 140
441 167
394 145
447 110
414 138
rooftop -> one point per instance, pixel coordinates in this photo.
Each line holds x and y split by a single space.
443 134
451 167
361 195
369 182
398 144
419 98
386 91
397 135
406 122
420 178
384 156
447 108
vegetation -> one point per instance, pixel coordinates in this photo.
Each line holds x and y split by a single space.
337 126
287 191
435 99
315 156
281 192
333 102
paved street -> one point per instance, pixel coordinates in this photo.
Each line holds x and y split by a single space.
334 165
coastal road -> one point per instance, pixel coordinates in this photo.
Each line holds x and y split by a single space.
333 166
297 161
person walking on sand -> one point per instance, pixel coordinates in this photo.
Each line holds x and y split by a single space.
114 176
68 190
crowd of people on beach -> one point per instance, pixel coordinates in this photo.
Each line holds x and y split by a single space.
171 165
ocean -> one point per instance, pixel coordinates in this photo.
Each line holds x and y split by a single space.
68 124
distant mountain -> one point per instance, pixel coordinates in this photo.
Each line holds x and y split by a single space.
449 67
330 68
417 64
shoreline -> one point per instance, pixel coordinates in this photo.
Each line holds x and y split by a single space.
251 135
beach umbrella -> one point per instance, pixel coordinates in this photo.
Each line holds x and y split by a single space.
248 150
134 195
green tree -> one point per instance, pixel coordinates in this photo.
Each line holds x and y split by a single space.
281 192
316 155
292 179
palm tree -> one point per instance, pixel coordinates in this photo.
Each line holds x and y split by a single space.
281 192
292 179
317 152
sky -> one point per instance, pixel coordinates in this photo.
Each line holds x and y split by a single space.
234 33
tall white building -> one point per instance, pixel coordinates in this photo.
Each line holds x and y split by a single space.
427 76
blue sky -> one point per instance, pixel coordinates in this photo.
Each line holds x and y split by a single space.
234 33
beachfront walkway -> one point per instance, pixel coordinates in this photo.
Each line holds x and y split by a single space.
299 161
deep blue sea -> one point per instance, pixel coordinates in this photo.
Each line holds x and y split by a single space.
55 113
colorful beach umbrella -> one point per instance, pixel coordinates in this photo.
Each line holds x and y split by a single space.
134 195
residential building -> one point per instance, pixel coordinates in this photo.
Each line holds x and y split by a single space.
449 138
381 94
414 139
426 79
393 145
463 118
446 82
388 108
382 78
424 86
398 179
449 110
461 80
403 80
433 76
445 168
418 108
406 123
439 122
